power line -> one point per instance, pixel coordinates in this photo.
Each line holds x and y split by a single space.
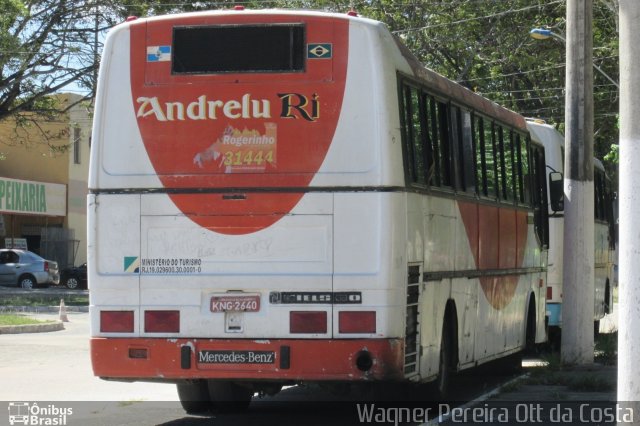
462 21
562 65
536 89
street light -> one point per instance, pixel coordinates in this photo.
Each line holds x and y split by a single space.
543 34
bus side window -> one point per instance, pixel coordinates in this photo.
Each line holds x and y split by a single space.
478 147
510 165
412 134
416 138
504 164
455 133
523 174
439 120
465 148
539 193
490 160
431 165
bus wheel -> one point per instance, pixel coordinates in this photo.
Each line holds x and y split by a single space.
194 396
444 366
229 397
530 331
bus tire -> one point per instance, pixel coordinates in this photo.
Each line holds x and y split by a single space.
530 331
194 396
444 365
228 397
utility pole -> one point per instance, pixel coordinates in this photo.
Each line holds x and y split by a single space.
629 199
578 256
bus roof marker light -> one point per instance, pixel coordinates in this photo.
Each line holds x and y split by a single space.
238 7
131 18
352 13
540 33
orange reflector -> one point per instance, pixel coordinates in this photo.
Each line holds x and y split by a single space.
307 322
357 322
162 321
116 321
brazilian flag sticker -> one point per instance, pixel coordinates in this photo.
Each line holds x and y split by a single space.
319 51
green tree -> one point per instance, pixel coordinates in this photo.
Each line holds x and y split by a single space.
47 45
485 46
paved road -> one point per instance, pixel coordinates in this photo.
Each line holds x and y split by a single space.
55 366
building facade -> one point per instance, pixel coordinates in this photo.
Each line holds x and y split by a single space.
43 183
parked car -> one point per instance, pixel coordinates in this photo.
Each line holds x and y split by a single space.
25 269
74 277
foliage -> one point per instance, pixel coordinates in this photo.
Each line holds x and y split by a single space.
613 156
46 45
43 48
485 46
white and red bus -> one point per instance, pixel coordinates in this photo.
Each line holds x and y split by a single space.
604 231
282 197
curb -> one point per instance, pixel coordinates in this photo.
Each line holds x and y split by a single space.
32 328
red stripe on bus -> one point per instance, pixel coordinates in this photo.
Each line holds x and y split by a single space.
235 130
497 238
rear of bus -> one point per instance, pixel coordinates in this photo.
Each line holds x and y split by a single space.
239 215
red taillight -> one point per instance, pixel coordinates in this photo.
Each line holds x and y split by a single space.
549 293
357 322
308 322
116 321
46 266
162 321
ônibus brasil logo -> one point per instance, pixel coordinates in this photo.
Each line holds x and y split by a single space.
27 413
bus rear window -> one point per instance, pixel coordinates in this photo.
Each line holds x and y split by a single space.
238 49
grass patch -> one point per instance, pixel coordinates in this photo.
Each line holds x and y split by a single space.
45 300
8 319
555 374
588 383
552 364
579 383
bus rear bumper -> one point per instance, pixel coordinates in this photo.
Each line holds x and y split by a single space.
273 359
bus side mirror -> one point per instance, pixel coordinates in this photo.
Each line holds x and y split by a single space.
556 189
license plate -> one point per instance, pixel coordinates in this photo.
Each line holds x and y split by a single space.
225 303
